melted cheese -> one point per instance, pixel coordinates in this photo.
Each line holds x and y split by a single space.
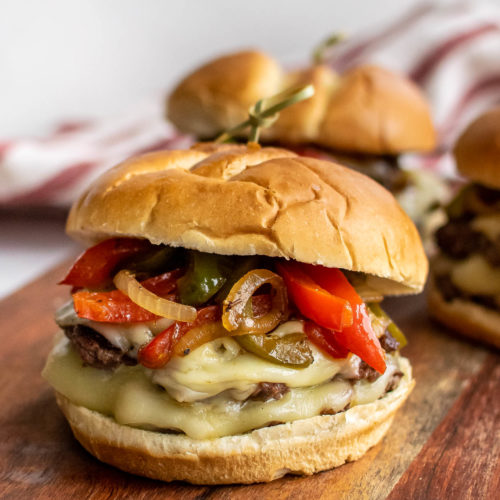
287 328
475 276
129 395
365 391
129 337
488 225
221 365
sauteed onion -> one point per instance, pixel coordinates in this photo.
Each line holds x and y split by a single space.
237 315
126 283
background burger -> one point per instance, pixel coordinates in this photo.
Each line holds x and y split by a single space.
364 119
465 293
225 324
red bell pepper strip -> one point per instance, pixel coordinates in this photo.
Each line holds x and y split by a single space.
158 352
95 266
359 338
116 307
325 339
314 302
163 284
109 307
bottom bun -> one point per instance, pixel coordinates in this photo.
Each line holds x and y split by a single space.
465 317
301 447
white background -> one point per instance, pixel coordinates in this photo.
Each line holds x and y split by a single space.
67 58
62 60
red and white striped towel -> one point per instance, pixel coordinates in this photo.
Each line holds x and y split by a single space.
452 51
55 169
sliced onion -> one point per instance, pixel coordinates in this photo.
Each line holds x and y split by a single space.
237 316
126 283
368 294
199 335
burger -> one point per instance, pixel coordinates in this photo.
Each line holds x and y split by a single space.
365 118
465 291
225 322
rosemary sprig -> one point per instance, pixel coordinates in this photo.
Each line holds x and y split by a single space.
266 111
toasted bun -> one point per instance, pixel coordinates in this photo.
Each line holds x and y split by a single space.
246 200
477 151
367 110
301 122
465 317
376 111
301 447
219 93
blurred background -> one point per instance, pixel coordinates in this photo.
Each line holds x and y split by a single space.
90 58
64 65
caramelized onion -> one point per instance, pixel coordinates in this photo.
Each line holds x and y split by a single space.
199 335
126 283
237 315
368 294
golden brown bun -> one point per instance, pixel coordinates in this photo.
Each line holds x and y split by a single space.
367 110
219 93
377 111
477 151
465 317
301 447
247 200
301 122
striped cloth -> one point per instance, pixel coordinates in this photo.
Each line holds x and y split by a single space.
452 51
54 170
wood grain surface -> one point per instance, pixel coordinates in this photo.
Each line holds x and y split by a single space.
444 443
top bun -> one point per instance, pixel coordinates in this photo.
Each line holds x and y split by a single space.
217 96
247 200
477 151
367 110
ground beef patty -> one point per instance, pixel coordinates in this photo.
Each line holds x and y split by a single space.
269 390
388 342
95 350
458 240
449 292
364 371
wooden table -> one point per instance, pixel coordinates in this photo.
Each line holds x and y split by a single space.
444 443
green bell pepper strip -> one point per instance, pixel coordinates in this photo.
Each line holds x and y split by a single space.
392 328
205 276
291 350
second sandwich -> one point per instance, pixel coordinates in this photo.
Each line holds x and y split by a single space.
365 118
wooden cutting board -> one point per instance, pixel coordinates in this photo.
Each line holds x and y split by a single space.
444 443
